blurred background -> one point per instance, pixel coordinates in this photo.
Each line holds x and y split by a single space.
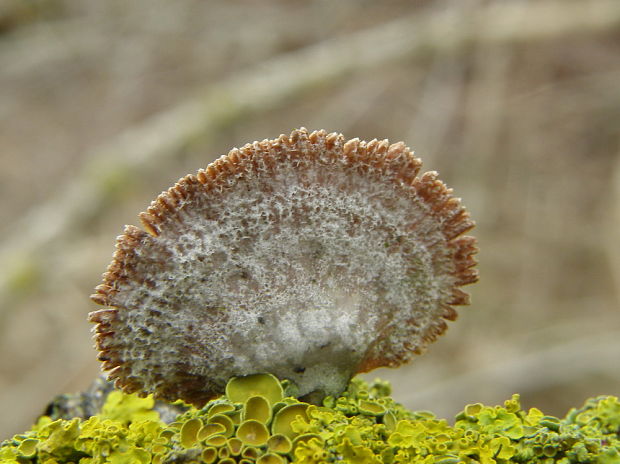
516 103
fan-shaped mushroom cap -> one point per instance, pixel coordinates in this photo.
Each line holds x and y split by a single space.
309 257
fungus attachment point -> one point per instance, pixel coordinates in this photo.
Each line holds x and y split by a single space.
308 257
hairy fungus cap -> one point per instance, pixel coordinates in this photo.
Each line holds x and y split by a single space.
308 256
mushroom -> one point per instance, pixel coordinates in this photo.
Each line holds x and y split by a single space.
309 257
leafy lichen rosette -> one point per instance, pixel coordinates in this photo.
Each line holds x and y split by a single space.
308 256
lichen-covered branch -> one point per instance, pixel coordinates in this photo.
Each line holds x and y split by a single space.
258 422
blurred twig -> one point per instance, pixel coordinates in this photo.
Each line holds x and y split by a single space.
612 239
39 45
272 83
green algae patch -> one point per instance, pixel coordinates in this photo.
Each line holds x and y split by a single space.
363 426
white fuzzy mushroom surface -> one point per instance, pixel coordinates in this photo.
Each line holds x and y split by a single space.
309 257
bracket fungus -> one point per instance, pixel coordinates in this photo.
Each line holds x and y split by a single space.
309 257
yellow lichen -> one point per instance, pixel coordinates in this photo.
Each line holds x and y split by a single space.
341 430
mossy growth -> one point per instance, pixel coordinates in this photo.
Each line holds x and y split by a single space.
261 424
